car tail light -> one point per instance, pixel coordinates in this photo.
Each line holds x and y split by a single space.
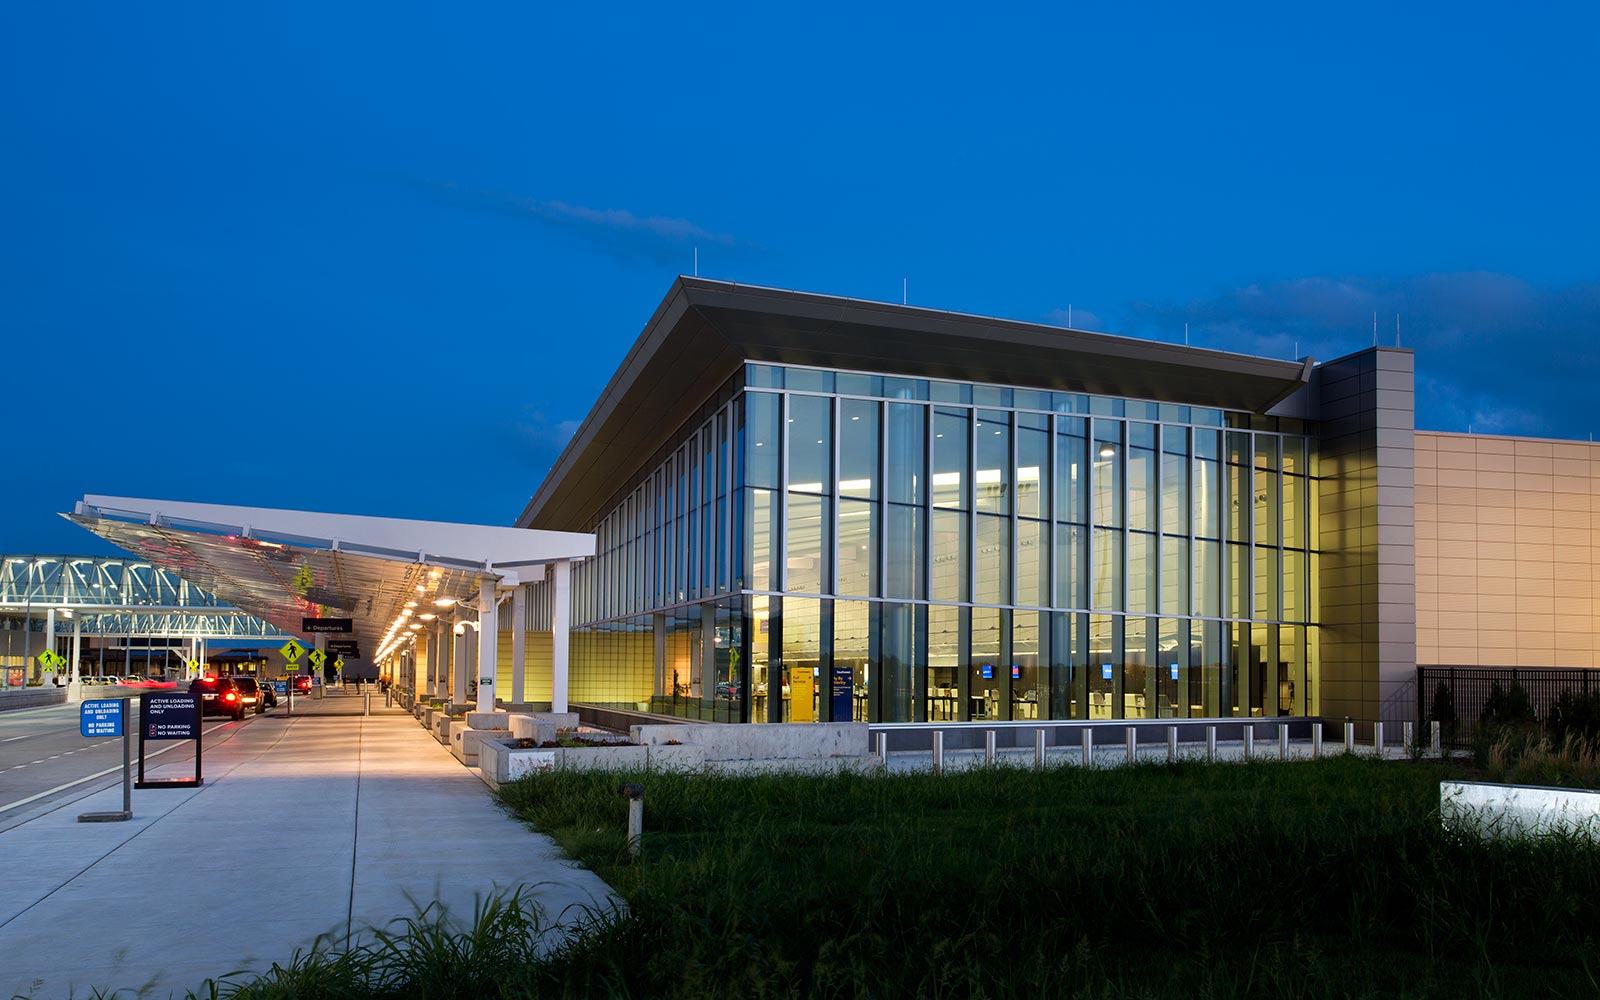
230 696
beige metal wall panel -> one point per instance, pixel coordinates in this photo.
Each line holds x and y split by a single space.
1507 554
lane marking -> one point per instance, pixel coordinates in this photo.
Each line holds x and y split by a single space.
98 774
13 739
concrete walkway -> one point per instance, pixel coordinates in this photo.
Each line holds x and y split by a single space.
306 826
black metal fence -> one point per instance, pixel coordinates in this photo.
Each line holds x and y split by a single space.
1470 689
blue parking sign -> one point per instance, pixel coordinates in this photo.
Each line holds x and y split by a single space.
101 718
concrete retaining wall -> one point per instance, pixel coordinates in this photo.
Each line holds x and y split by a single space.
32 697
1495 810
622 720
756 741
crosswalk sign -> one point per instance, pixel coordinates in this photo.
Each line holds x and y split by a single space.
318 657
291 651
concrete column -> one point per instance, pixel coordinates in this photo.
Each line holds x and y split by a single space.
519 645
460 665
447 658
75 685
431 678
49 629
560 626
488 642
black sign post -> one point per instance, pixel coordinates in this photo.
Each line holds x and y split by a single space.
164 716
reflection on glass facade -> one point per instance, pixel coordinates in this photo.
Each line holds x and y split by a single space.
822 545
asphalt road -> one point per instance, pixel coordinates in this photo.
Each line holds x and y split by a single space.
45 763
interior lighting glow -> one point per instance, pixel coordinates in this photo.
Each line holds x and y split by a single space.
427 618
444 602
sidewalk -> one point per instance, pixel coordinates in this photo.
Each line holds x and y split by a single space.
304 826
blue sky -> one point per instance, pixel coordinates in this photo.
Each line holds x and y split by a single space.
382 258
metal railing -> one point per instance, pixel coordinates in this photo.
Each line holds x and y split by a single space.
1457 696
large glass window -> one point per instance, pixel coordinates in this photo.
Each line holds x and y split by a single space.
903 553
1029 690
1143 491
994 559
1143 582
858 449
1174 575
907 455
858 548
1138 675
1072 567
950 457
1071 471
1105 665
1069 666
809 544
1175 480
852 637
1033 562
810 444
992 478
1108 473
951 545
1207 484
988 663
945 689
803 657
1105 571
1033 465
898 679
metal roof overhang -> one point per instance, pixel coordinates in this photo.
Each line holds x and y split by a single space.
703 330
284 566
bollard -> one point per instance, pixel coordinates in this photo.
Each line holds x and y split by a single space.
366 702
1211 744
1349 736
883 748
1249 741
635 794
1438 735
388 698
1088 748
1132 739
988 746
938 751
1172 744
1038 748
1407 735
1377 738
1316 739
1283 741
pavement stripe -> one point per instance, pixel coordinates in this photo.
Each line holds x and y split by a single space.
98 774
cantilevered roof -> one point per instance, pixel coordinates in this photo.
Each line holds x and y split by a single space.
703 330
285 566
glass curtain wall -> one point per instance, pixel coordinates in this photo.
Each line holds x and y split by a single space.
822 545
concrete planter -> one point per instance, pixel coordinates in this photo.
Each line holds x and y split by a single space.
499 760
1495 811
466 741
687 757
489 720
442 727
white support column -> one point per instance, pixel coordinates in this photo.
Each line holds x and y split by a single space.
435 651
519 645
560 626
447 660
488 642
75 686
459 666
49 630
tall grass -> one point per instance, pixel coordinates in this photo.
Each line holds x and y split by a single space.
1530 759
1332 878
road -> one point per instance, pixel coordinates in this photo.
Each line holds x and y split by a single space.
45 763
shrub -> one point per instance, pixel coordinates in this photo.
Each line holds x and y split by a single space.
1575 714
1443 710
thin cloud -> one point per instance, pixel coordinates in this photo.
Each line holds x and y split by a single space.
1495 354
651 240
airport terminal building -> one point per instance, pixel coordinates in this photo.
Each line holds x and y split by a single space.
814 508
790 507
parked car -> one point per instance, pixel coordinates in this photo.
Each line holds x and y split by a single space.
269 692
218 696
302 683
250 693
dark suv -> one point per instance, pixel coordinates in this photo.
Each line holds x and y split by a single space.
218 696
251 693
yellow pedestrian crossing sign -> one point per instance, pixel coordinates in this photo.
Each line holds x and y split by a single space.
50 659
338 665
194 664
303 579
318 657
291 651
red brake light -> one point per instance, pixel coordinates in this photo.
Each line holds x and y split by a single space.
230 696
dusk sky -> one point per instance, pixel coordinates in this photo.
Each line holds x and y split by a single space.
383 259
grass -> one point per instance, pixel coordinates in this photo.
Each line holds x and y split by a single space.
1533 759
1331 878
